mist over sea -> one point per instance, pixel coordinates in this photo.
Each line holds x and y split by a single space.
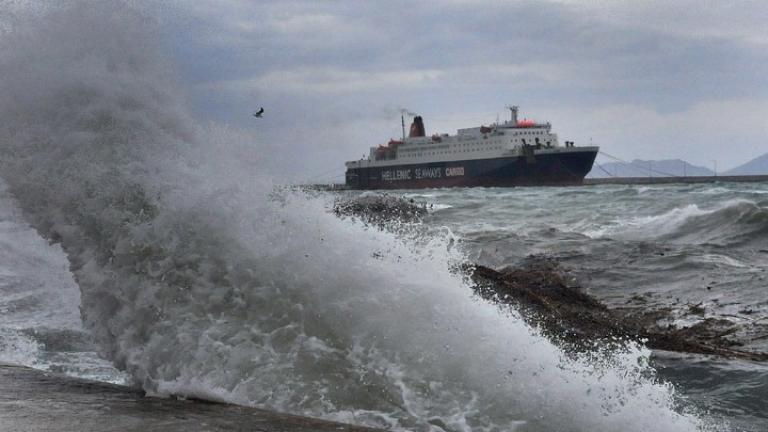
144 248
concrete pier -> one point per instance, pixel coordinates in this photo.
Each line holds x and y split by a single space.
32 400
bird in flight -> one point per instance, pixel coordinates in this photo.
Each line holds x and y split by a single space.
259 113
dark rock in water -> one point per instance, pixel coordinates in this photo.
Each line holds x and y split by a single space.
569 316
32 400
697 309
381 209
542 296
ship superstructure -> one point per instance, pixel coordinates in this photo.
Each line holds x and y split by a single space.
516 152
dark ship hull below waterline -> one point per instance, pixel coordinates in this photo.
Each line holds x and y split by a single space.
548 169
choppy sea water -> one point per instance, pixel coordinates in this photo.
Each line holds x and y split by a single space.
141 247
673 246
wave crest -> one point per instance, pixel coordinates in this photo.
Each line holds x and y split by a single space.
734 223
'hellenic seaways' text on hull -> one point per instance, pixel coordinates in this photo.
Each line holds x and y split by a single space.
514 153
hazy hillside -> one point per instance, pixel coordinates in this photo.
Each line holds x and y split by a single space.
646 168
756 166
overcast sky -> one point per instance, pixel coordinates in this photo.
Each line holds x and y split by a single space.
651 80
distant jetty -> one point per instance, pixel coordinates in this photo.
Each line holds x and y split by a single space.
676 179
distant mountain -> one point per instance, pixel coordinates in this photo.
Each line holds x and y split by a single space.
648 168
757 166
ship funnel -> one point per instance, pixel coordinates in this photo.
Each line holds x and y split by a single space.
417 128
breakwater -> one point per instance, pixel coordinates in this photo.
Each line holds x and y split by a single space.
676 179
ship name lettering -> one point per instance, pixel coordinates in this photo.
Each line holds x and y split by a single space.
394 175
427 173
454 171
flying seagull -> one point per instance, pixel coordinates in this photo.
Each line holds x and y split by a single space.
259 113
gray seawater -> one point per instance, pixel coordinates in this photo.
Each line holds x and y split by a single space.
140 246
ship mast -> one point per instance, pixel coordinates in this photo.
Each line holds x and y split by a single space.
402 121
513 110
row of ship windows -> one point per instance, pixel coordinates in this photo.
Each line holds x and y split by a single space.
486 142
468 144
449 152
475 143
500 141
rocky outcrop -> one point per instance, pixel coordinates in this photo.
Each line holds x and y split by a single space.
546 298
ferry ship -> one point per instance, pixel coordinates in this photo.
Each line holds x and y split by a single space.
513 153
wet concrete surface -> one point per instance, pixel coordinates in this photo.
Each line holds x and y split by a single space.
33 400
